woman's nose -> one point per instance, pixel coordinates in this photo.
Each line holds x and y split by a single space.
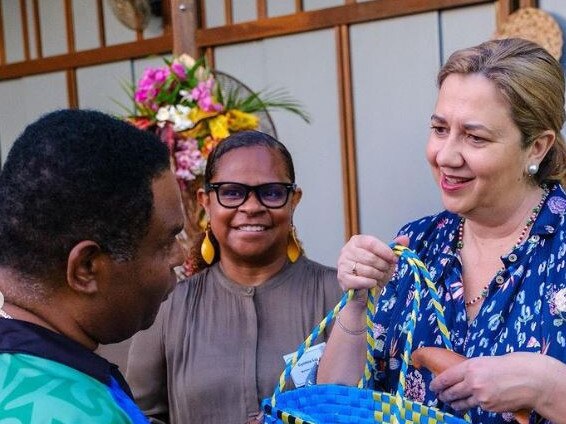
252 202
449 152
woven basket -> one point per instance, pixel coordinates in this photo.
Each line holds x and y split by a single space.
534 25
330 403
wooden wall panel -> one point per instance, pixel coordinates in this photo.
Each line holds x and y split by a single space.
347 131
466 27
53 28
215 14
100 87
36 95
383 33
346 14
13 115
321 4
85 18
394 92
2 42
244 11
280 7
557 8
13 32
316 148
116 32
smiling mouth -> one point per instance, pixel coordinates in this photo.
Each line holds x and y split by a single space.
455 180
251 228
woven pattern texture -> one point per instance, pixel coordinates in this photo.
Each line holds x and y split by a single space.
534 25
328 404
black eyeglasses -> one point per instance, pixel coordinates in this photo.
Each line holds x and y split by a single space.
233 195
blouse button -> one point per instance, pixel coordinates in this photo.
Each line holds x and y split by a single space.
535 238
512 257
500 279
249 290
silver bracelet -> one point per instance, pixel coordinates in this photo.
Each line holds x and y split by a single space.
347 330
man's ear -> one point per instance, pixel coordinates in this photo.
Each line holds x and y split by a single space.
84 264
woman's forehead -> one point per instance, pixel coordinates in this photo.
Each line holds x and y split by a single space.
251 160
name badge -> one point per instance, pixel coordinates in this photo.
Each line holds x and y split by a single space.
303 367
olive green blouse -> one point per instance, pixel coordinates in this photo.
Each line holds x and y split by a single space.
216 348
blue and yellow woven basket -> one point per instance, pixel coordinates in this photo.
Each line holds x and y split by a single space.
332 404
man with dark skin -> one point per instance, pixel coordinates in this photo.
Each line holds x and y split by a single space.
89 217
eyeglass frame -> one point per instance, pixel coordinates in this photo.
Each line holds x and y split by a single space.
290 187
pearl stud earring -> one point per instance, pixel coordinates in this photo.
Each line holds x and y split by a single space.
532 169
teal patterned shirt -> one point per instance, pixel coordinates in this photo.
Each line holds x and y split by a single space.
46 378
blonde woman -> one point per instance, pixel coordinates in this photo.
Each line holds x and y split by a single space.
496 254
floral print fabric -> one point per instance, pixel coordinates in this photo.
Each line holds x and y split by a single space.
525 307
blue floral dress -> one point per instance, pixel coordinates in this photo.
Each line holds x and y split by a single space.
525 307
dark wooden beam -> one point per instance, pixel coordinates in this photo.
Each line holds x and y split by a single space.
37 29
101 24
347 133
126 51
324 18
184 20
25 28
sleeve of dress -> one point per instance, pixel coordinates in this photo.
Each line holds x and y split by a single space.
147 372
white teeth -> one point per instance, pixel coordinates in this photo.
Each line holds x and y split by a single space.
454 180
255 228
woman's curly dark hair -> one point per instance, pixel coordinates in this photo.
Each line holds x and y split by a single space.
76 175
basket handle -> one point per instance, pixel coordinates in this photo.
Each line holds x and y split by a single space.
419 270
308 342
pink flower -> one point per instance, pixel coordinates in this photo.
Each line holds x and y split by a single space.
149 85
189 160
179 70
202 94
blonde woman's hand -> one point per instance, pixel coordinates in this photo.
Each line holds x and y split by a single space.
366 262
506 383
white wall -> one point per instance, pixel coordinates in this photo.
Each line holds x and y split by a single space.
315 148
394 65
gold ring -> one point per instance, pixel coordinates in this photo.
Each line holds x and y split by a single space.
354 270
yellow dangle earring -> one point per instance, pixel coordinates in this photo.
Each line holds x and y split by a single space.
207 248
294 249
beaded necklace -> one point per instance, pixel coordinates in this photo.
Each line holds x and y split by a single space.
532 218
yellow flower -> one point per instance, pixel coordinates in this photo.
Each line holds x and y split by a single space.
197 114
208 144
198 131
219 127
241 121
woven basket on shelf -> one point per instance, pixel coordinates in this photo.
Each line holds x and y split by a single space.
134 14
534 25
330 403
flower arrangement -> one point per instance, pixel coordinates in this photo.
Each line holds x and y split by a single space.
185 105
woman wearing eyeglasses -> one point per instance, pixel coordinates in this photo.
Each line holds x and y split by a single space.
216 349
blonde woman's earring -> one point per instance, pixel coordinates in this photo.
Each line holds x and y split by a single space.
207 248
532 169
294 249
